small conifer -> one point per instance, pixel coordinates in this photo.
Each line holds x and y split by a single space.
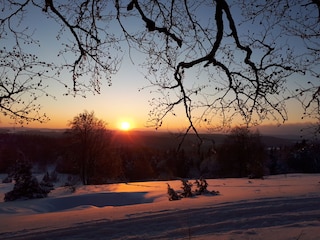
172 194
26 186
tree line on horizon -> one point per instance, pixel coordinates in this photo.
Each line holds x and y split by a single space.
87 150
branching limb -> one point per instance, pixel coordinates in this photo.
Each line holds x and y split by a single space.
150 24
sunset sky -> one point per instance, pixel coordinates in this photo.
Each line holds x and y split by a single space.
121 102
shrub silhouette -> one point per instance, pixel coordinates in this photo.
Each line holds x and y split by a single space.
26 186
172 194
201 185
187 188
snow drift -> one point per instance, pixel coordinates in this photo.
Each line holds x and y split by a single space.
278 207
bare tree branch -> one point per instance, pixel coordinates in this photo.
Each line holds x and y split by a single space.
217 60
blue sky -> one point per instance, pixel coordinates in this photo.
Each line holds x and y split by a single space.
121 102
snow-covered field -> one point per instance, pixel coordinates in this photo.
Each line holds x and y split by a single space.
278 207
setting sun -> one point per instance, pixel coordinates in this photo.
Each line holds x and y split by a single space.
125 126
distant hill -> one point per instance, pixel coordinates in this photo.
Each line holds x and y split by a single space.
165 140
160 140
34 131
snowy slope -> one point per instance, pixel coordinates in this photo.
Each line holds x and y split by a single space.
278 207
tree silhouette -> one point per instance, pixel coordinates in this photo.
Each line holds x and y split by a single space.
21 85
218 60
26 186
90 140
242 154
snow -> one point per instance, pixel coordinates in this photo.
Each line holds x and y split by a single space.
277 207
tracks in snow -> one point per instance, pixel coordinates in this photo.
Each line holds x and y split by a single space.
195 222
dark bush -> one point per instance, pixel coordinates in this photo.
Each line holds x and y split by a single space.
187 188
172 194
201 185
26 186
242 154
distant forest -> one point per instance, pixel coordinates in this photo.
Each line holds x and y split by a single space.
136 156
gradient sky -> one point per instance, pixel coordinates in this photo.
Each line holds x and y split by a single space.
121 102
